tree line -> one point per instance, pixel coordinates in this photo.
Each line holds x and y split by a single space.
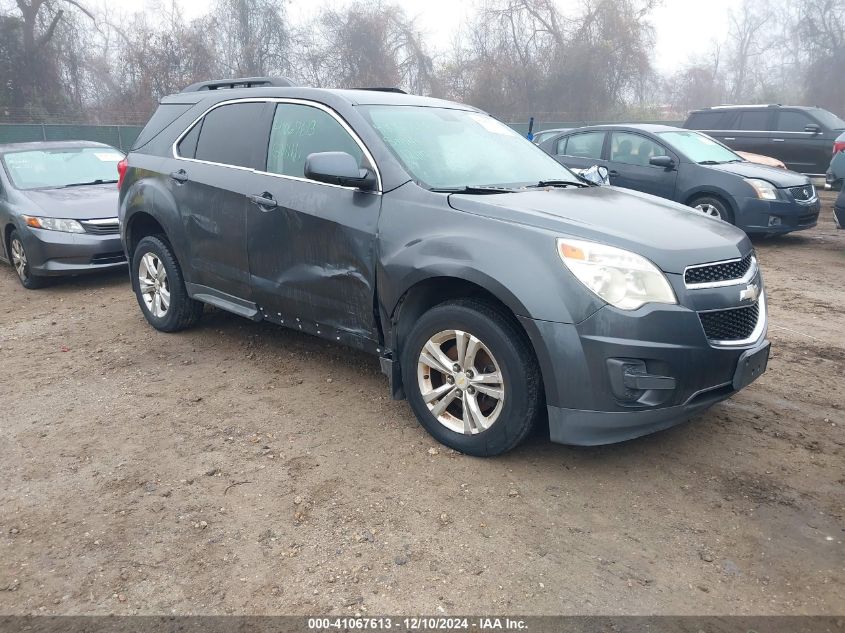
62 60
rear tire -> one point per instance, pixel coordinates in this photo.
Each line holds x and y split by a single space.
20 262
471 377
160 287
713 207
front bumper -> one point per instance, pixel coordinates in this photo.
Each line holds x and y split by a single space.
56 253
775 217
678 372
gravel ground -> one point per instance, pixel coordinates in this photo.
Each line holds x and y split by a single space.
242 468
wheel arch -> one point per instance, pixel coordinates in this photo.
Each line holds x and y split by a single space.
435 289
141 224
720 195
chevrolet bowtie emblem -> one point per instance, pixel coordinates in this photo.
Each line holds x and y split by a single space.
751 292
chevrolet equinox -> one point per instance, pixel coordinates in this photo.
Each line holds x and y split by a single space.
495 286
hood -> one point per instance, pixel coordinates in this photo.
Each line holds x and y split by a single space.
671 235
79 203
780 178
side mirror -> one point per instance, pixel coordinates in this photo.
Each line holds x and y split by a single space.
338 168
813 128
662 161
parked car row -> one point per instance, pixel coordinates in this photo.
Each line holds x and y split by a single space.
691 168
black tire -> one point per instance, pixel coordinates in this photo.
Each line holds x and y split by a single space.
509 345
716 204
25 276
182 311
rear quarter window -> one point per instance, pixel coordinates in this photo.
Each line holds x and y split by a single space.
706 121
166 114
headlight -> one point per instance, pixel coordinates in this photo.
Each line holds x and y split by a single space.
765 190
54 224
623 279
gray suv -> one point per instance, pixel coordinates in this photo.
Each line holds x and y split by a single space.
495 287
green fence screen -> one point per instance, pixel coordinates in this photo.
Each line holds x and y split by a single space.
119 136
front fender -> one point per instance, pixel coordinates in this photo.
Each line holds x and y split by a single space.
421 237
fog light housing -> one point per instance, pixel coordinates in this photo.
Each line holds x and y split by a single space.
774 220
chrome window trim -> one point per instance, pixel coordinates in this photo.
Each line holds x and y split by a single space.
304 102
748 276
759 330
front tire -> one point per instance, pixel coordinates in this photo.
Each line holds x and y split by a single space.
160 287
713 207
471 377
20 262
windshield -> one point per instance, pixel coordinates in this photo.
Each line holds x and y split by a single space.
451 149
699 148
829 120
51 168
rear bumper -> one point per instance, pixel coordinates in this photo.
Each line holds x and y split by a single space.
776 217
55 253
592 397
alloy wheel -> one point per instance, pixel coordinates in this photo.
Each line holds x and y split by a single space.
708 209
460 382
19 259
154 285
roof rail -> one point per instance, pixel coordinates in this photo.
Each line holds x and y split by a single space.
746 105
243 82
376 89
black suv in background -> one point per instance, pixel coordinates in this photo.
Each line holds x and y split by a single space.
493 284
801 137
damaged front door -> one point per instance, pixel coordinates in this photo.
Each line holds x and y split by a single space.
312 245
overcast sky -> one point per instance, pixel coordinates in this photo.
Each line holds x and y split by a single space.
682 27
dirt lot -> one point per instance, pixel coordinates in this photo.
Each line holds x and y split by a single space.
243 468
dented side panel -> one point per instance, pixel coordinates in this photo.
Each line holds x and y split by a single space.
312 258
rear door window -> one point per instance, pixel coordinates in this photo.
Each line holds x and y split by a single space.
585 145
754 120
230 135
299 130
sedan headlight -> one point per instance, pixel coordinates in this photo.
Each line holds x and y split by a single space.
621 278
54 224
765 190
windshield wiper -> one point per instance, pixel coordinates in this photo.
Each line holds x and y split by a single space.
99 181
477 189
562 183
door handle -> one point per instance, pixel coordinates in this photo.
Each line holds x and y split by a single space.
265 201
730 138
179 176
777 140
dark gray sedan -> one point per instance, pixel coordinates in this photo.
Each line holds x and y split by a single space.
691 168
58 209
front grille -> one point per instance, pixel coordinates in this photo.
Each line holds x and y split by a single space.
803 193
108 226
714 273
735 324
108 258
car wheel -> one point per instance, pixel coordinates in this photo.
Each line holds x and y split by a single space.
20 262
471 377
160 287
712 207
